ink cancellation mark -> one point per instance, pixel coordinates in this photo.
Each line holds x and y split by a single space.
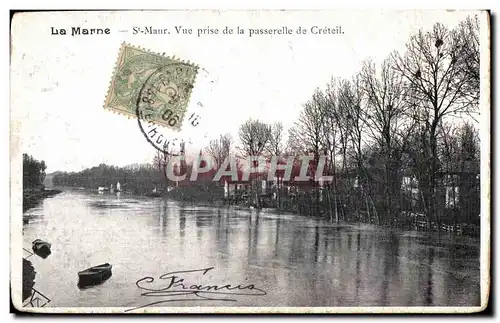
147 114
150 86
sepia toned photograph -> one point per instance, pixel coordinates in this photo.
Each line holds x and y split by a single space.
245 161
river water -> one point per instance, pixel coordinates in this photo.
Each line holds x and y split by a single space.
286 259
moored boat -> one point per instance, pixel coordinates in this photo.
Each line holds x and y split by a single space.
94 275
41 248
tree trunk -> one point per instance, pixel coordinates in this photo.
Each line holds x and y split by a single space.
387 191
367 206
278 193
257 199
433 175
329 203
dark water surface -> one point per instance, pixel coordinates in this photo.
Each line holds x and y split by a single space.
294 260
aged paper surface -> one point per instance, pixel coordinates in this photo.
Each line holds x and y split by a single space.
250 161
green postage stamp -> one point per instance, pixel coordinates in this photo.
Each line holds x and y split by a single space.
151 86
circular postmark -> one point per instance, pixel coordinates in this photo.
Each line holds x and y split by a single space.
162 104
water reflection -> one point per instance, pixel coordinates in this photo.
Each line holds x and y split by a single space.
298 261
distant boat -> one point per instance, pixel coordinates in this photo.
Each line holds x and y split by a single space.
41 248
94 275
103 188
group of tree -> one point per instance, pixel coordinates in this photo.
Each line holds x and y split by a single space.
33 172
409 119
136 179
403 118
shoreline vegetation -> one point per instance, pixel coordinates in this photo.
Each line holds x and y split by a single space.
399 139
289 203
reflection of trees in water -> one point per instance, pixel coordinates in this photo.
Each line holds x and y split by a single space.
350 266
391 266
255 239
316 243
182 224
277 237
358 264
249 238
164 218
364 265
253 236
222 232
428 288
298 245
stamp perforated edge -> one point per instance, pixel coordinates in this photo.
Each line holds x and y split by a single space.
115 70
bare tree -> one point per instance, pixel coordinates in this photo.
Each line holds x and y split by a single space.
389 124
352 104
468 35
449 148
335 137
469 170
337 118
275 149
275 145
254 137
450 160
220 148
161 160
432 70
309 133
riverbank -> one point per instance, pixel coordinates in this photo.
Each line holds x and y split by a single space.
32 199
411 221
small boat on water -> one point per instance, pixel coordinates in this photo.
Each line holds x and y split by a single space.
41 248
94 275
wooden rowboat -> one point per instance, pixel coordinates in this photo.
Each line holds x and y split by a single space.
41 248
94 275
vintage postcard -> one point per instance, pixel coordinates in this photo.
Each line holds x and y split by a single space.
205 161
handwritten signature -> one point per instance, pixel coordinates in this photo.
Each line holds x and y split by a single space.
177 286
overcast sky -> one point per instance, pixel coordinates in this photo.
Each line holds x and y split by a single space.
59 83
